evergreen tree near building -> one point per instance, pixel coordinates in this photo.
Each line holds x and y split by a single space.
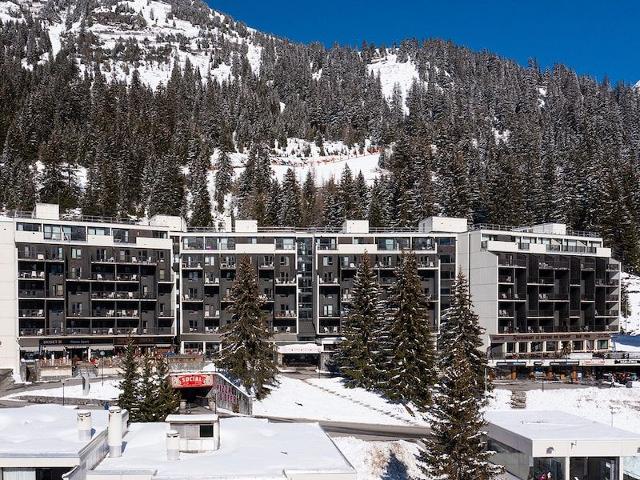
247 352
411 364
128 398
167 399
146 391
459 329
290 201
200 198
456 449
625 307
359 352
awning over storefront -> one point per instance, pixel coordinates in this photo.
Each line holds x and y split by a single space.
299 349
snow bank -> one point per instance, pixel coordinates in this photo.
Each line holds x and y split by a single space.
380 460
109 391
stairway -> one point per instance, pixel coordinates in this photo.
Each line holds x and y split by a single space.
518 399
6 380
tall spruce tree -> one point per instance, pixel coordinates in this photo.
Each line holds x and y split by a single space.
128 398
200 198
167 399
411 370
247 352
459 328
455 450
223 179
359 352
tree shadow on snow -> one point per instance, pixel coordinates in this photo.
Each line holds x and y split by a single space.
395 469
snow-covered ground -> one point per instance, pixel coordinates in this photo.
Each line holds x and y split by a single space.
380 460
298 399
97 391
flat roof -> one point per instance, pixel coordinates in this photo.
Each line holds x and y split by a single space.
555 425
44 431
249 447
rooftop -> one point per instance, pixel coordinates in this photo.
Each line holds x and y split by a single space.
44 431
539 425
249 448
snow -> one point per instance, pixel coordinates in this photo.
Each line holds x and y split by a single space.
299 348
380 460
249 447
555 425
501 136
298 399
370 399
394 73
637 85
626 343
108 391
631 324
595 404
44 430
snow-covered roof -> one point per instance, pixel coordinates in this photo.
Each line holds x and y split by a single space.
249 448
44 431
198 418
558 433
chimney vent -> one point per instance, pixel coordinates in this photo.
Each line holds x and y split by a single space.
84 425
173 445
114 437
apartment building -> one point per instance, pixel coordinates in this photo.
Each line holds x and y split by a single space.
74 286
78 284
544 294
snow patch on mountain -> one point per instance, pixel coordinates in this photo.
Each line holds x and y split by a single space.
392 73
637 85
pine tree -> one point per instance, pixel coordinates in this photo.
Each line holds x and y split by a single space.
459 329
223 179
200 198
410 372
308 200
456 449
246 351
167 399
358 353
128 398
146 391
290 201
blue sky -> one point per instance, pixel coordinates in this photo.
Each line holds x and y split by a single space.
596 38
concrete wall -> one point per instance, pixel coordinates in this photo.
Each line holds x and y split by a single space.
8 297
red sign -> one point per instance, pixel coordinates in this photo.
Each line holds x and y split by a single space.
192 380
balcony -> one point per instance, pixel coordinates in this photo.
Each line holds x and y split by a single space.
126 259
192 298
346 298
285 314
505 279
611 298
330 330
286 281
31 294
284 329
115 295
123 313
210 314
227 266
512 261
266 266
191 266
211 280
606 283
31 313
31 274
613 267
540 313
554 265
551 297
332 282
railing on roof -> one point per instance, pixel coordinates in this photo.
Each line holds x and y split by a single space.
78 218
529 229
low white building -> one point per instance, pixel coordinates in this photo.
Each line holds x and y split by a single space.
52 442
530 443
47 441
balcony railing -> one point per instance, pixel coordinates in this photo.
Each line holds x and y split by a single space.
31 313
285 314
31 294
115 295
115 313
31 274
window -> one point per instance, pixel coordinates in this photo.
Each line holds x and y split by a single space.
75 233
209 260
227 244
285 244
578 345
284 261
120 235
327 310
101 254
158 234
57 290
76 253
603 344
29 227
206 431
161 274
52 232
327 261
99 231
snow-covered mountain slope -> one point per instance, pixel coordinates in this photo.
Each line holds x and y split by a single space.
146 35
631 324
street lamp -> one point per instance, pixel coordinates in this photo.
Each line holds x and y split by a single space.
102 367
64 381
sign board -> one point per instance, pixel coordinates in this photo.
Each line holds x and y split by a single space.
192 380
230 397
533 337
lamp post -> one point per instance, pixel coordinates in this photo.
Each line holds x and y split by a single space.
64 381
102 367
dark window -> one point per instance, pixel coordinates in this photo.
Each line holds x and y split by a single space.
206 431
